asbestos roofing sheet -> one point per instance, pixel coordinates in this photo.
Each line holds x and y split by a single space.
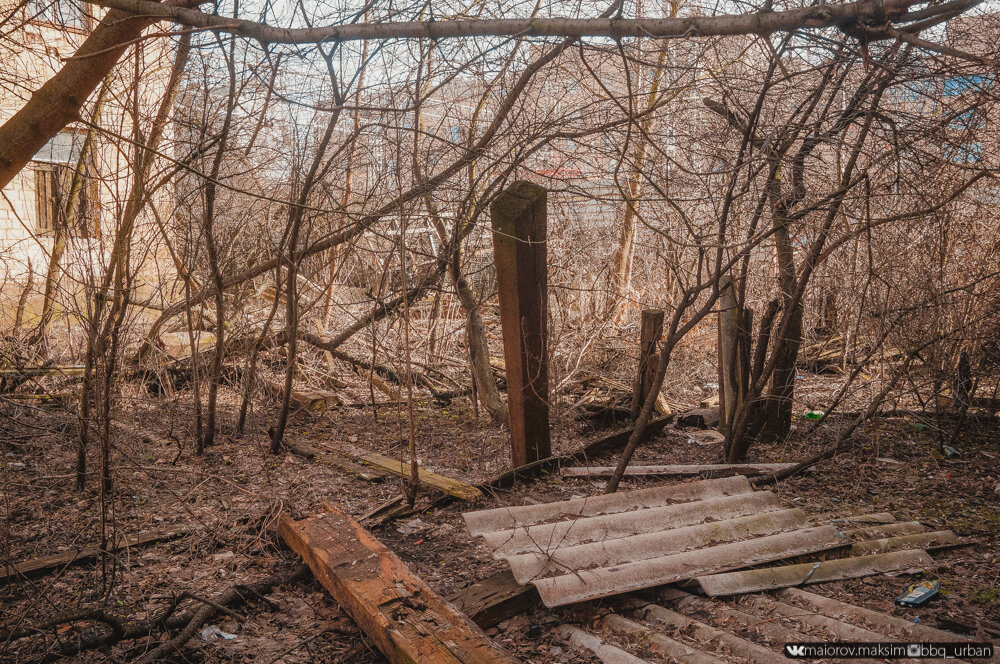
605 581
771 578
752 629
595 547
504 518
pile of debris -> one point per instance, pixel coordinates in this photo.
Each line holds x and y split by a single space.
693 568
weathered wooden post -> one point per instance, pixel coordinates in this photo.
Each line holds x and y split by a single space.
650 331
519 227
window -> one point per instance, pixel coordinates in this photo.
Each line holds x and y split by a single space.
966 121
958 85
61 13
912 91
55 170
969 153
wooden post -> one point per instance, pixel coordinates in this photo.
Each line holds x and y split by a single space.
519 228
734 355
650 331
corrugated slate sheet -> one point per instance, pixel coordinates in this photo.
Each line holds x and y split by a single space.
594 547
752 629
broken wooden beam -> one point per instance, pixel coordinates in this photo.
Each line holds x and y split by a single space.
701 418
495 599
402 616
710 469
45 563
518 217
306 399
455 488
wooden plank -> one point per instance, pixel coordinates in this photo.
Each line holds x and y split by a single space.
710 402
311 400
405 619
342 464
518 217
45 563
459 490
494 599
395 507
76 370
713 469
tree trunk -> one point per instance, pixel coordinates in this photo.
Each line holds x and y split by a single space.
778 417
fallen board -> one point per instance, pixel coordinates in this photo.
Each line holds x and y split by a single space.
76 370
713 469
342 464
405 619
44 563
311 400
396 507
611 441
459 490
495 599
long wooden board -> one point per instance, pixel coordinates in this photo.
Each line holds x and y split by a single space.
341 463
44 563
608 442
712 469
459 490
405 619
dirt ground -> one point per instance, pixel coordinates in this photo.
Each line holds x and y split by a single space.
231 497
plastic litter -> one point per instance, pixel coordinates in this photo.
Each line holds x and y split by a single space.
919 594
813 414
211 633
411 527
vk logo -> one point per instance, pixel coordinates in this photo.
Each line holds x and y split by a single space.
795 650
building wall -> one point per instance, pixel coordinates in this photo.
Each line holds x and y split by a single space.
35 52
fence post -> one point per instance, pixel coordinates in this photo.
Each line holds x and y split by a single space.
650 331
518 216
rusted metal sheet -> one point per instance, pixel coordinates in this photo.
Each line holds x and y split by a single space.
771 578
596 547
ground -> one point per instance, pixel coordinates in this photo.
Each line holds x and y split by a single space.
231 497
